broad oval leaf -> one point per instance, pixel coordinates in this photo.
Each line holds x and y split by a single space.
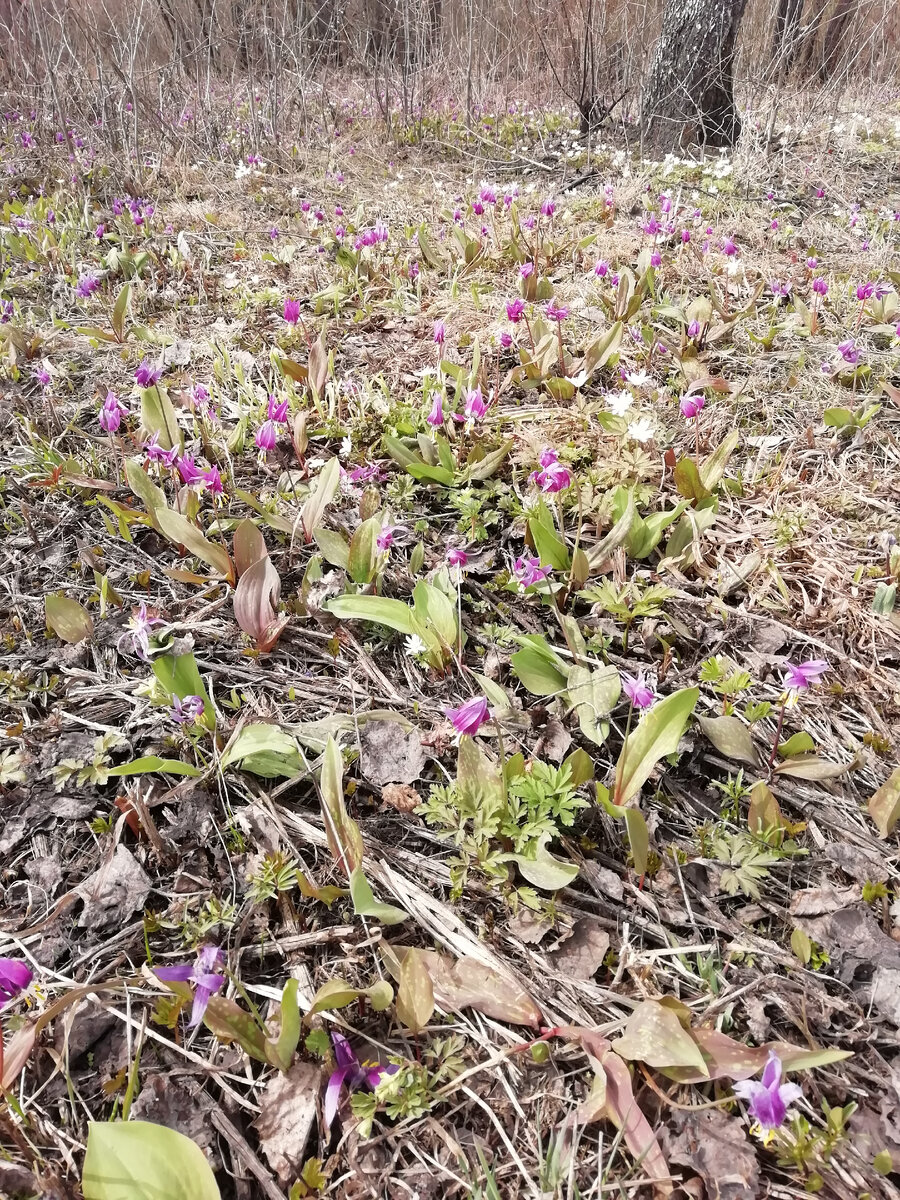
255 597
380 609
67 618
264 750
180 530
884 805
654 1035
538 674
127 1160
731 737
810 766
365 904
248 546
320 497
657 734
545 871
158 417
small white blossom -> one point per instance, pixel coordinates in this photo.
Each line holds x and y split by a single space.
641 429
619 403
415 646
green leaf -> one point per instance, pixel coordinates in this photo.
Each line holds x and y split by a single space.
731 737
137 1160
281 1052
119 310
713 468
550 549
656 735
478 778
638 839
231 1023
282 524
423 472
798 743
337 993
839 418
158 416
486 467
884 805
380 609
180 530
593 694
801 945
145 489
597 555
320 497
581 767
540 674
810 766
543 870
344 838
687 480
363 552
333 546
264 750
365 904
152 762
415 992
435 610
692 525
67 618
654 1035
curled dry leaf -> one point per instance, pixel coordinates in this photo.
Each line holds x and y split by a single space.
884 805
400 796
582 954
468 983
715 1147
389 753
286 1117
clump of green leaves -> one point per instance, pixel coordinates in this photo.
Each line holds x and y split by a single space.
628 603
726 680
747 859
411 1090
276 873
807 1149
92 770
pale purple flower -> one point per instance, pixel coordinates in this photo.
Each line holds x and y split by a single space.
768 1099
291 311
15 977
529 571
156 453
385 539
525 270
665 203
86 285
779 289
277 411
203 973
635 688
548 208
457 557
651 227
212 481
440 333
515 310
111 413
803 675
138 631
475 407
469 717
436 417
819 286
601 268
729 247
554 313
849 351
655 259
186 711
692 405
349 1072
147 376
266 436
553 478
811 263
548 457
488 196
42 376
693 330
188 470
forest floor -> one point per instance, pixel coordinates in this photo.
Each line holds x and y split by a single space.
557 928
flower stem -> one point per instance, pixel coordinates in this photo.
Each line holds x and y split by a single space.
777 740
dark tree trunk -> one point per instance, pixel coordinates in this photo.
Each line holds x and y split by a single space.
689 95
835 37
788 36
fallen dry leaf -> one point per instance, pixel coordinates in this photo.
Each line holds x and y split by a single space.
716 1148
467 983
554 742
287 1115
118 888
401 796
581 955
389 753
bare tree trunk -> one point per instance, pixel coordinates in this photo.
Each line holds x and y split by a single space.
689 95
786 41
834 45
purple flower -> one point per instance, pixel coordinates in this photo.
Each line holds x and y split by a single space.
156 453
768 1099
186 711
457 557
548 208
475 406
15 977
488 195
865 291
87 285
651 227
515 310
147 376
729 247
111 413
140 626
635 688
477 208
525 270
811 263
291 311
188 470
665 203
203 973
266 436
601 268
385 539
351 1072
848 351
685 236
692 405
212 481
436 417
529 571
819 286
440 333
42 376
554 477
548 457
277 412
555 314
693 330
800 677
779 289
469 717
655 259
505 340
100 231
